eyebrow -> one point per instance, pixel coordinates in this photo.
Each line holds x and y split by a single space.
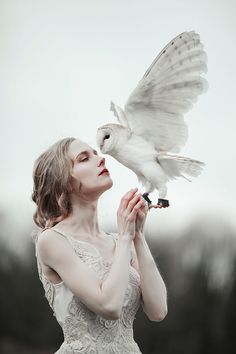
86 152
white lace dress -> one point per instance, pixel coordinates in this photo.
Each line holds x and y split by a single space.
85 331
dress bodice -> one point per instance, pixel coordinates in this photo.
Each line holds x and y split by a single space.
85 331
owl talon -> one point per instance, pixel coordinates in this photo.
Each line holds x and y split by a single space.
164 203
145 196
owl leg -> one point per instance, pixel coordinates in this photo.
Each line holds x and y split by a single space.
148 187
163 203
145 196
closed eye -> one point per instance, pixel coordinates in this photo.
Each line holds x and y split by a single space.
85 159
85 155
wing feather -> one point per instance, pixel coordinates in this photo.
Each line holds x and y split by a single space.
168 90
119 114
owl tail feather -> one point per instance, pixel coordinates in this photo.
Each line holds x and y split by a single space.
175 166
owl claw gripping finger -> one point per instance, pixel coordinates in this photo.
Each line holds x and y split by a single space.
162 203
145 196
151 129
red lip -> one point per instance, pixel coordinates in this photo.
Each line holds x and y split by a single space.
104 170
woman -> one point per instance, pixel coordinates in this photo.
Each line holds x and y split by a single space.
94 281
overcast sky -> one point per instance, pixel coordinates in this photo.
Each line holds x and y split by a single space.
62 61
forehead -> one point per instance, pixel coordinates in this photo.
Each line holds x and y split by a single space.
76 147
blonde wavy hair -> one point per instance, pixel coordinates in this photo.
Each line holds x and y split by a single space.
52 184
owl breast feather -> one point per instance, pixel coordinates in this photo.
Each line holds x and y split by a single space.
135 152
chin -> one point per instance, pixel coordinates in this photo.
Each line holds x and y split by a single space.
104 184
110 183
98 189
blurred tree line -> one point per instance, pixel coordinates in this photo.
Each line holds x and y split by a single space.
198 268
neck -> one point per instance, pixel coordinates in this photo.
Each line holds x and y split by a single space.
83 219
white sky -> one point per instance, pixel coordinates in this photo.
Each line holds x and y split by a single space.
62 61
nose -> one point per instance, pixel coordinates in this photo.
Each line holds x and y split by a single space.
101 161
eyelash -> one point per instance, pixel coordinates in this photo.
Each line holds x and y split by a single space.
85 159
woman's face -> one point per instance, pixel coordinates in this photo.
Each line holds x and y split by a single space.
86 177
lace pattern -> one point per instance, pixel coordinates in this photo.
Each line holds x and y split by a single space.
86 332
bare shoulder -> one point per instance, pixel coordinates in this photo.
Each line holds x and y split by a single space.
48 237
51 244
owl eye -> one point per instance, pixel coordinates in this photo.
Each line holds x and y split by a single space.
106 136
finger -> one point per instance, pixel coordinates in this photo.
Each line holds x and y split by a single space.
145 204
126 198
135 210
141 213
144 209
154 206
133 202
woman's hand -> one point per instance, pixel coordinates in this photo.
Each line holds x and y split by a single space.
141 218
130 204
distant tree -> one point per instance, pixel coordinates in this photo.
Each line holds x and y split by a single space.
24 311
230 319
201 318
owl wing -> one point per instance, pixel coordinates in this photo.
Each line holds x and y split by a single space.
119 114
167 90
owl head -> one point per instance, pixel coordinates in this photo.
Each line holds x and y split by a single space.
111 136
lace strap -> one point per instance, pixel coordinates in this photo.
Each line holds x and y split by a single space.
80 247
61 233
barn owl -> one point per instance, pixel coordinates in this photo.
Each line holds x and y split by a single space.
151 127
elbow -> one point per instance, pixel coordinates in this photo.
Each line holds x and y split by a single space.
160 315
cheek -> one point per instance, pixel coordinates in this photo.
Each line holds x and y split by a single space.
83 175
81 171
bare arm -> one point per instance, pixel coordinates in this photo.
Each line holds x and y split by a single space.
104 298
152 285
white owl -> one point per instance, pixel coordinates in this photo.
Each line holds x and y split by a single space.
151 127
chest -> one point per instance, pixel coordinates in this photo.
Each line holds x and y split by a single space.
105 248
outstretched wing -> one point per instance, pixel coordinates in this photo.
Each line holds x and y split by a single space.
167 90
